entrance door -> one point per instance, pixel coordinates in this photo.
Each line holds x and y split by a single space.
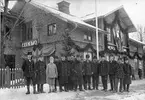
10 61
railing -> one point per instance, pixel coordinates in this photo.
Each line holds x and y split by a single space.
11 78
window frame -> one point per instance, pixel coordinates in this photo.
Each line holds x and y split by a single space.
27 31
87 37
52 28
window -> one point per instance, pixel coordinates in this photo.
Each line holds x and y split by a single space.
27 33
109 34
51 29
87 37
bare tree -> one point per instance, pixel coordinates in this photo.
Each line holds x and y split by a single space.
141 33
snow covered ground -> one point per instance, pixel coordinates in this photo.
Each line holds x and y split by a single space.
137 92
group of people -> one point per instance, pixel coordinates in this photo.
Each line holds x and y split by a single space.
74 73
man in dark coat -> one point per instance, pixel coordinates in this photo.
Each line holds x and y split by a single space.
104 71
87 73
127 75
119 75
64 73
40 68
112 67
78 76
70 64
57 63
95 73
29 72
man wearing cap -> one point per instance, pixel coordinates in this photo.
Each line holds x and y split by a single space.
40 68
112 69
127 75
87 73
104 71
78 76
29 72
119 75
63 74
57 63
95 73
70 64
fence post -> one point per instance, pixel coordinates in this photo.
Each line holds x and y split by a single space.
7 77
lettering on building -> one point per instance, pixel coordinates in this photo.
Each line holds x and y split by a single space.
29 43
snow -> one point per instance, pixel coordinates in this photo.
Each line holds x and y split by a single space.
137 92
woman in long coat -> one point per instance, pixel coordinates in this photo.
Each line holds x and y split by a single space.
40 67
127 75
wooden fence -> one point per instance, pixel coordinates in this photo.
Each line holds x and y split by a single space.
11 78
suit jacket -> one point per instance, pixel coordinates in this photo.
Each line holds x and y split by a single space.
104 68
28 68
112 67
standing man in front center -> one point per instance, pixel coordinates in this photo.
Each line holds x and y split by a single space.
112 69
104 71
88 73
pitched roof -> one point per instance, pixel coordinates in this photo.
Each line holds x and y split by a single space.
136 42
109 17
63 16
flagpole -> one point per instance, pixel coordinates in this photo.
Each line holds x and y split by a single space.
97 41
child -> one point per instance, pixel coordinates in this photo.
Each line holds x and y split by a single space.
51 74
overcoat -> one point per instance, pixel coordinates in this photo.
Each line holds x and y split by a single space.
95 69
104 68
87 68
28 68
64 73
119 73
112 67
127 73
78 72
40 68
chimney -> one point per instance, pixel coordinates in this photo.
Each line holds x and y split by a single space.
63 6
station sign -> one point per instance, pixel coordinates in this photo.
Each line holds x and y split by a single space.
29 43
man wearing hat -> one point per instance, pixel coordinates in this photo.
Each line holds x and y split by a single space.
119 75
127 75
63 78
87 73
95 73
29 72
78 76
40 68
104 71
57 63
112 70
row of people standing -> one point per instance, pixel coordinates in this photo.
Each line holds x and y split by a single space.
72 73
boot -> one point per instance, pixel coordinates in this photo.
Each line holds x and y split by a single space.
127 87
65 88
80 88
28 90
38 88
42 89
34 90
89 87
60 88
